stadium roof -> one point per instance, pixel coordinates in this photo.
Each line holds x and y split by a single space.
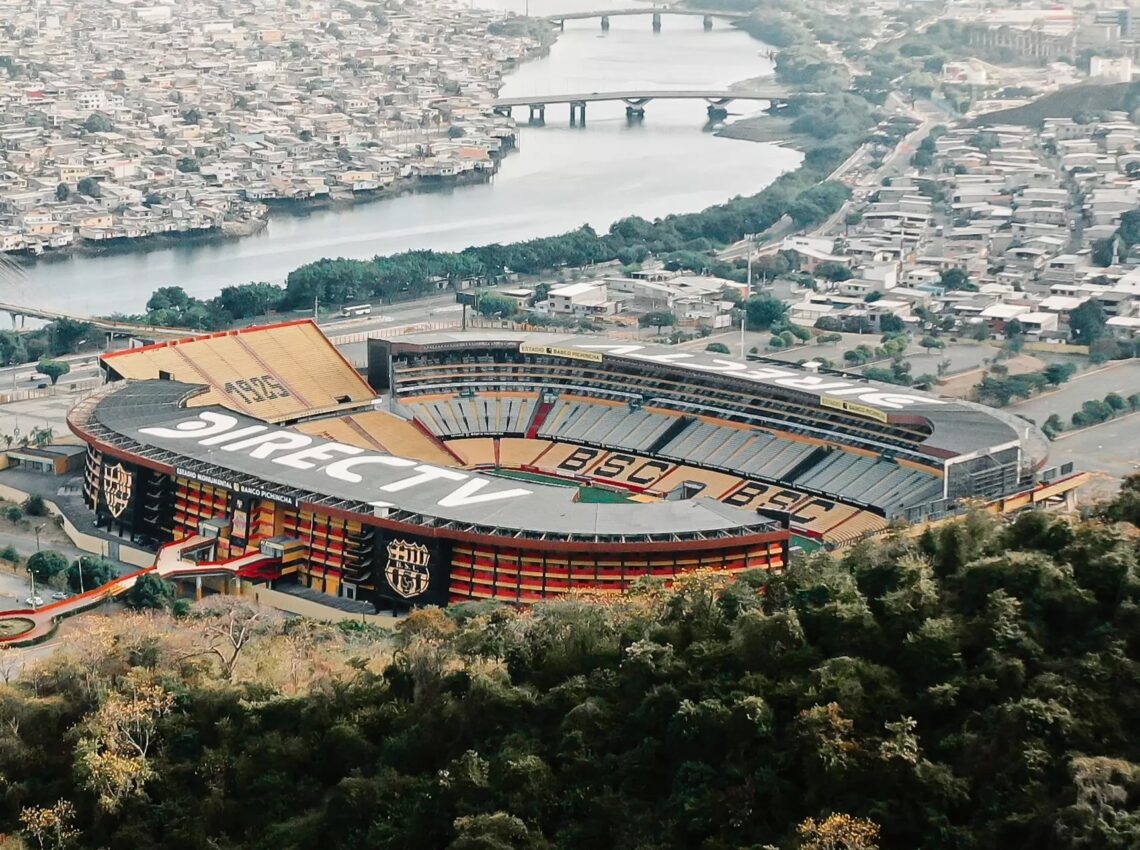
216 445
959 428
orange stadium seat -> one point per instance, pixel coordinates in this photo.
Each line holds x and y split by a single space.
474 451
276 372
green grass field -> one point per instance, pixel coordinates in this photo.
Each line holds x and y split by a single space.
586 493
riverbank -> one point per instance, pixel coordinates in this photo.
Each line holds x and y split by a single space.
663 167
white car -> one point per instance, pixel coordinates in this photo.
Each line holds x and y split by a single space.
34 601
59 594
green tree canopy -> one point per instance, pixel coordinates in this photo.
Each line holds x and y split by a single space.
150 591
96 572
46 564
54 369
763 311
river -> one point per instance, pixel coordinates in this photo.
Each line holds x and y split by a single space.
559 179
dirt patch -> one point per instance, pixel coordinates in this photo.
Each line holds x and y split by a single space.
960 385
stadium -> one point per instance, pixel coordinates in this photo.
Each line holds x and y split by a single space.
520 467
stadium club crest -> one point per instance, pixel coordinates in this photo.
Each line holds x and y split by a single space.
117 484
407 568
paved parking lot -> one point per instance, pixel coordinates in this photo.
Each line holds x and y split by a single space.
1122 377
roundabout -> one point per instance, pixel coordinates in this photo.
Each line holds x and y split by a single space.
14 627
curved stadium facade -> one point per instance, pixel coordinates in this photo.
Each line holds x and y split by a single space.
521 467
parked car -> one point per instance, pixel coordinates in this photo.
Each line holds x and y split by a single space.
34 601
59 594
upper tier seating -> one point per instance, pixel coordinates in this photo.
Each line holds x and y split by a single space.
276 372
378 430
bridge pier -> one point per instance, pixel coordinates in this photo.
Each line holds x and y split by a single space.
605 23
537 114
707 22
657 22
717 113
578 111
634 114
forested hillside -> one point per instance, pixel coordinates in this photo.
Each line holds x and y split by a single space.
975 688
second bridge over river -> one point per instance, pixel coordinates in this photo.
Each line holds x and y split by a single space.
635 101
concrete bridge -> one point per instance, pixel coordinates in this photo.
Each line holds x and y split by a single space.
656 12
635 101
108 326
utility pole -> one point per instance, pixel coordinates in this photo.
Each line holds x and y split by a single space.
37 530
749 293
316 307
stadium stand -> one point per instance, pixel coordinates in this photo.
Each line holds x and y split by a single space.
377 429
474 451
277 372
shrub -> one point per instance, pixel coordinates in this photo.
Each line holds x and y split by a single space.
13 513
34 505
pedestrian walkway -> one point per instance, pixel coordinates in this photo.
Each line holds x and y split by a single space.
169 563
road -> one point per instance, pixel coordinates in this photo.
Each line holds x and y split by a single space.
1122 377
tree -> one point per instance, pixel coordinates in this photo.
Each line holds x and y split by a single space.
955 278
1087 322
67 334
46 565
1103 252
1115 401
493 304
97 122
34 505
931 342
838 832
890 323
192 115
250 299
657 319
229 626
114 756
150 591
118 75
1129 229
87 573
1053 426
62 192
54 369
718 348
833 271
187 165
89 186
1057 373
50 827
763 311
497 831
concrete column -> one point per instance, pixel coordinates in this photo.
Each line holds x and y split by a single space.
717 113
198 588
657 22
537 113
634 114
708 22
605 22
578 114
